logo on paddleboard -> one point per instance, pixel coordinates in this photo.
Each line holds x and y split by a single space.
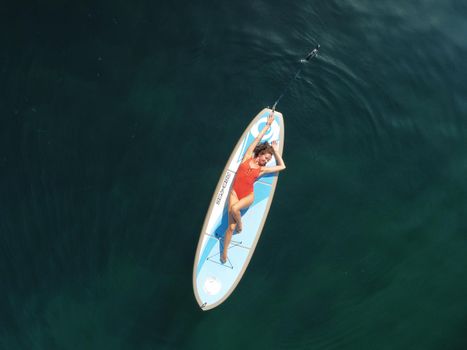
271 135
212 286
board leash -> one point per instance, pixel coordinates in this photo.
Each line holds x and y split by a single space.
312 54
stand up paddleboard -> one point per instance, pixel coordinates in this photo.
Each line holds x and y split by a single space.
213 281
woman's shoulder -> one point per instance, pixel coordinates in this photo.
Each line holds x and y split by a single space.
247 159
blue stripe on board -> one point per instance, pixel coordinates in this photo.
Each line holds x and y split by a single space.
207 250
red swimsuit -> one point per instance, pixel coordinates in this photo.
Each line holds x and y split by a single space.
246 177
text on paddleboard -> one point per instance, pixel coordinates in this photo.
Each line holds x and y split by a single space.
222 190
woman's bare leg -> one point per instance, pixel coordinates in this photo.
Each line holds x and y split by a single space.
230 226
243 203
235 206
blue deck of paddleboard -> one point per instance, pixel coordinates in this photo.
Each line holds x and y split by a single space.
208 265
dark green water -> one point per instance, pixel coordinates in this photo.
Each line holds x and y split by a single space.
117 118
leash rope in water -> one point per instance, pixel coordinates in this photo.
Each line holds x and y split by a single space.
313 53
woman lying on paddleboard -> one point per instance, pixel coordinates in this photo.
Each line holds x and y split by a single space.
252 167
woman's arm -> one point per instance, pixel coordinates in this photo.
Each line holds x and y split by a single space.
279 161
249 151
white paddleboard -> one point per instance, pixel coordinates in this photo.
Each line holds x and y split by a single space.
213 281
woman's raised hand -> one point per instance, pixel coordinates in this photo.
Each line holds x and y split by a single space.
270 118
275 145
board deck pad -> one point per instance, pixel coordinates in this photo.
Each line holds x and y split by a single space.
213 281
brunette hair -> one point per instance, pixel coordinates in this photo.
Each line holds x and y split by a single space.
262 148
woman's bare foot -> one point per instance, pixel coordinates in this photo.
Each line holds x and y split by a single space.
223 259
239 227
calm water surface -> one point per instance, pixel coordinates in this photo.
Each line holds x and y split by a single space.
117 119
